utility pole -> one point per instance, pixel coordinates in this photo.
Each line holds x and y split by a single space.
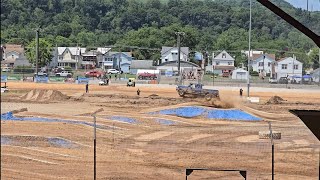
179 50
37 49
119 60
248 79
94 148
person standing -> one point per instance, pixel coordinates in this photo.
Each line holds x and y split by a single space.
115 77
241 91
87 87
138 92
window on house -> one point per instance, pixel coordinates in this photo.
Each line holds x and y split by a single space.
224 55
166 60
284 66
217 63
296 66
230 63
260 63
269 64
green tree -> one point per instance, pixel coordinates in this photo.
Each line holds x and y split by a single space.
314 58
45 52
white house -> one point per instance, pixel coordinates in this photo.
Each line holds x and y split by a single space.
288 67
11 53
240 73
263 63
223 63
69 56
171 54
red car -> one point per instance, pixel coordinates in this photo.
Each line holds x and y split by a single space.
93 73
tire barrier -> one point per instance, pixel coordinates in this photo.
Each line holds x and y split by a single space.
266 135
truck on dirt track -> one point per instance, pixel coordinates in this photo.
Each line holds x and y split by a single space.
198 91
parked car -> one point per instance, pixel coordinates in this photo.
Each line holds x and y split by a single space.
113 71
41 73
6 69
273 81
93 73
283 80
225 74
64 74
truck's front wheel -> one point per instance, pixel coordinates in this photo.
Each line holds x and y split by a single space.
181 93
208 97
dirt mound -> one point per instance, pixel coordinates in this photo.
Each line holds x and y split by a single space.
44 95
154 96
275 100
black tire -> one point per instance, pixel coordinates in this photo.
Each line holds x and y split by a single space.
69 76
208 97
140 77
181 93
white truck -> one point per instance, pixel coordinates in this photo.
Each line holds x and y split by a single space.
64 74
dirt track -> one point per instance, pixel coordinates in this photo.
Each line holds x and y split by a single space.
149 150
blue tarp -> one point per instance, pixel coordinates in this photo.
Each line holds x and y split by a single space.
194 111
42 79
10 117
198 56
4 78
307 76
83 80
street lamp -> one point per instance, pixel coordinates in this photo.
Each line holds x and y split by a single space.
95 143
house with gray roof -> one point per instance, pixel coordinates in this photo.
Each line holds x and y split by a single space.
117 60
171 54
141 64
69 56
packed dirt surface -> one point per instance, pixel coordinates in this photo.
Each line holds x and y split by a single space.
145 148
275 100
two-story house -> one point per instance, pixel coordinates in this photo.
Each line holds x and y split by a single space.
70 56
171 54
262 63
118 60
288 67
11 53
101 58
223 63
91 59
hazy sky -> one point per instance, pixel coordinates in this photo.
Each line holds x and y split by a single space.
313 4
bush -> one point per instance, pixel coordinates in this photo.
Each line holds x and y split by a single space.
68 68
23 69
254 73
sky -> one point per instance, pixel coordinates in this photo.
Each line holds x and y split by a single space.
313 4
